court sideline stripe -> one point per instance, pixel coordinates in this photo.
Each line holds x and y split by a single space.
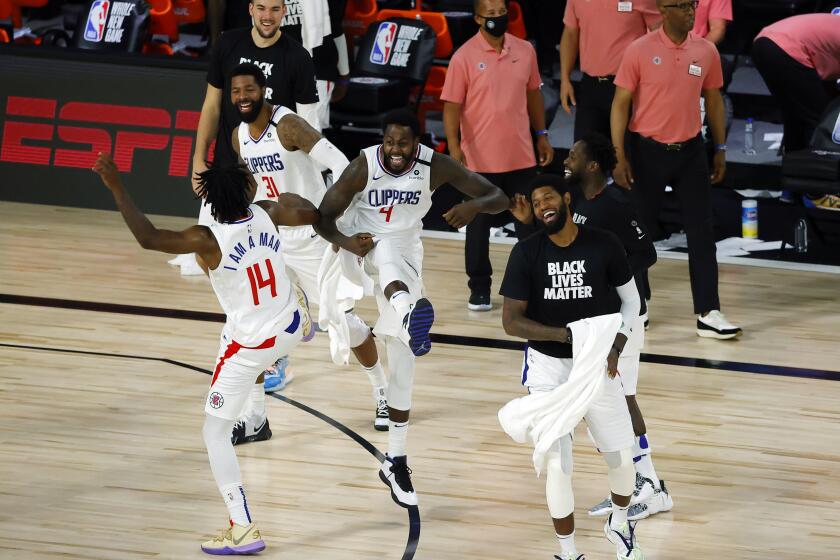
474 341
413 511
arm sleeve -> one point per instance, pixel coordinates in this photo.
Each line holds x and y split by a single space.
628 75
630 306
215 72
517 281
455 85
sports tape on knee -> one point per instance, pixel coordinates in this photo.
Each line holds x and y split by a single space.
359 331
621 474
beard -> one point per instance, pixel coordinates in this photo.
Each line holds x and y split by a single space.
259 29
557 224
251 115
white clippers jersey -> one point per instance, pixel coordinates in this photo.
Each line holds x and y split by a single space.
251 281
393 205
276 169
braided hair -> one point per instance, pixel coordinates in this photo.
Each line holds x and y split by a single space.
226 189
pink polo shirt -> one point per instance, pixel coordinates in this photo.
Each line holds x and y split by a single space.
710 9
666 81
810 39
491 89
607 27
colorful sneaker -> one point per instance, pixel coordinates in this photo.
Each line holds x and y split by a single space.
644 490
659 502
250 429
416 326
380 421
276 377
827 202
395 473
307 328
624 539
237 539
715 325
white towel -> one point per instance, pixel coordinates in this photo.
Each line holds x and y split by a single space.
332 318
544 417
315 24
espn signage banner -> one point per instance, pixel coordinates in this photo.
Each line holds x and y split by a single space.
57 115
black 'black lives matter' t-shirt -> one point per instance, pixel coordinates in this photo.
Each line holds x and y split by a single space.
288 69
565 284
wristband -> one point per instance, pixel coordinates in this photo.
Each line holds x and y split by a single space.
720 147
543 132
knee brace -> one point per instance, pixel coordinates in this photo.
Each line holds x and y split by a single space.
359 331
622 474
401 365
558 480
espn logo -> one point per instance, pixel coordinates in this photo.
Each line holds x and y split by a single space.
384 43
98 127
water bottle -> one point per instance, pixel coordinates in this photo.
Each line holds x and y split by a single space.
749 219
801 236
749 138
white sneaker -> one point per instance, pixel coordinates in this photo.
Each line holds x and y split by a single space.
380 421
659 502
395 473
715 325
624 539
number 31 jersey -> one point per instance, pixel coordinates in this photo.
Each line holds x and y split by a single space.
251 281
276 169
394 205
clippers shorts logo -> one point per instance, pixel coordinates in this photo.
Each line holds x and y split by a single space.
97 17
216 400
382 47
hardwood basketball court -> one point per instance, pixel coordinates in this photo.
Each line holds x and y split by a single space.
104 350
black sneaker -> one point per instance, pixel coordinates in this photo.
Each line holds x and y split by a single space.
380 421
246 430
479 302
397 476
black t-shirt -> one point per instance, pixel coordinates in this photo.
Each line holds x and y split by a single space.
565 284
288 68
613 211
325 56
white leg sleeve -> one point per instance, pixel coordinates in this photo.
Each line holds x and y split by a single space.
558 479
401 364
359 331
220 451
622 474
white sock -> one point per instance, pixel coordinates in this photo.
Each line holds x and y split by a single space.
643 462
619 516
377 376
258 400
567 545
397 434
236 503
401 302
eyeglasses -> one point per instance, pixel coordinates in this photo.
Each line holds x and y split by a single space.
684 6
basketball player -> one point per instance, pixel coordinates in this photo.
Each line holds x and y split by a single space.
282 151
591 277
600 203
242 251
388 190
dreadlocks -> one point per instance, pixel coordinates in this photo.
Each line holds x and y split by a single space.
225 188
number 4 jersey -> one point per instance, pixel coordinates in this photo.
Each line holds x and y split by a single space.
251 281
276 169
393 205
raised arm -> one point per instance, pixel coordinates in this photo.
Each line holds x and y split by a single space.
297 134
484 196
517 324
208 127
336 200
290 210
196 239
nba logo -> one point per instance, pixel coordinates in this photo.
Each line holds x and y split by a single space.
384 42
98 15
835 134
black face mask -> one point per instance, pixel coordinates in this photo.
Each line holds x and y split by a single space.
496 26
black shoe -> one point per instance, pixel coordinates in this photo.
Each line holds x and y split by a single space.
246 430
479 302
395 473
